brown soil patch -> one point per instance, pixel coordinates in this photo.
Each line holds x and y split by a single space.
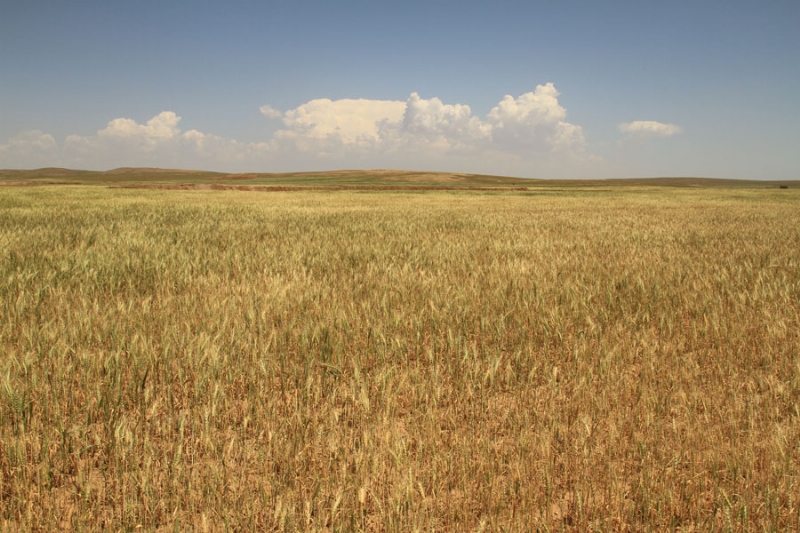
236 177
17 183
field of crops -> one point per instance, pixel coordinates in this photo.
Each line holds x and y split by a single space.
580 360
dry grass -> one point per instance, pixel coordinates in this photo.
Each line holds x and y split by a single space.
345 361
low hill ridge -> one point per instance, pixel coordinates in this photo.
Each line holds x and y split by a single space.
348 178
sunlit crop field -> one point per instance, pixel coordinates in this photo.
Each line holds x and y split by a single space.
582 360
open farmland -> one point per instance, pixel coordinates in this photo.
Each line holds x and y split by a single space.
558 359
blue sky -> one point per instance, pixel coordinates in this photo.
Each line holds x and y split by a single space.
556 89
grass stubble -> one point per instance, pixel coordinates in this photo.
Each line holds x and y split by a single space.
357 361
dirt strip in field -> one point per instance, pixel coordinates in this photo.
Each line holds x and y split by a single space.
18 183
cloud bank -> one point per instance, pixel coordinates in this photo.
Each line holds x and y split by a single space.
529 131
532 123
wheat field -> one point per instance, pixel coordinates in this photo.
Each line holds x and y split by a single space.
580 360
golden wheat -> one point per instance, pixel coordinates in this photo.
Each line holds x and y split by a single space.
450 361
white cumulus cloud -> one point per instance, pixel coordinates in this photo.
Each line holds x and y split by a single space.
649 128
157 142
535 121
28 149
161 127
440 126
270 112
348 122
532 123
30 142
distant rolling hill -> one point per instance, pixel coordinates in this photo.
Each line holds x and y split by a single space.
393 179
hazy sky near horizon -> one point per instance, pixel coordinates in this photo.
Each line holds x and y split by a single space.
533 89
